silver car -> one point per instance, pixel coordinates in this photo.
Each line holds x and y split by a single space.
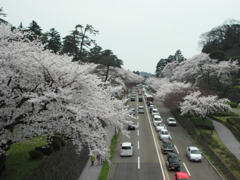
171 121
193 153
164 134
140 109
126 149
159 127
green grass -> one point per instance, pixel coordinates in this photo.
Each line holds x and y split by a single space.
18 162
105 169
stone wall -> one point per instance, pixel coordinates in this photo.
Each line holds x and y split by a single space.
62 165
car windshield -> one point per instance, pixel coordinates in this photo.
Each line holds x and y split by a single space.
168 145
173 159
157 119
171 119
159 124
195 152
155 111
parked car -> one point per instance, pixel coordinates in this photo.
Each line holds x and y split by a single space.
181 176
159 127
164 134
193 153
173 162
151 107
167 146
156 119
132 126
132 98
140 109
171 121
149 103
126 149
132 111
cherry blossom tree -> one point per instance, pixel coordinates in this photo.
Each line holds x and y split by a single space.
201 106
199 66
42 92
163 87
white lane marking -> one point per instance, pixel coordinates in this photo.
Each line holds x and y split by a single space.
138 132
186 169
176 149
138 144
161 166
138 162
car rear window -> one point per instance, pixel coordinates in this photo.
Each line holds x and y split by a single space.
126 147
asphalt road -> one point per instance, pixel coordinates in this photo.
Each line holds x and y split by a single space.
148 162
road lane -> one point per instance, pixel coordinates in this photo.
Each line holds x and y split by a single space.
144 164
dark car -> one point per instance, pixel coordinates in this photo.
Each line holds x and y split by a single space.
132 111
167 146
140 99
132 98
173 162
132 126
150 103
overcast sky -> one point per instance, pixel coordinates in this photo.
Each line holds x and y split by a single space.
139 32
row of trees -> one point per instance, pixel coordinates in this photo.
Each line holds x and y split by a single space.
78 44
43 92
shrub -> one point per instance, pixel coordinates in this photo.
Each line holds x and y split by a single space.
46 150
224 113
34 154
199 123
233 104
234 122
188 115
60 139
56 145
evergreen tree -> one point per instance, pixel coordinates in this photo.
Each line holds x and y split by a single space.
53 40
35 30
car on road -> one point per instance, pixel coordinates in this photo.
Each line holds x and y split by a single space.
140 109
140 99
159 127
171 121
132 126
126 149
167 146
181 176
154 110
132 111
149 103
164 134
157 119
133 98
173 162
193 153
151 107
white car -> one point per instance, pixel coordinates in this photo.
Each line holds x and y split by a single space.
126 149
164 134
154 110
193 153
159 127
171 121
156 119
